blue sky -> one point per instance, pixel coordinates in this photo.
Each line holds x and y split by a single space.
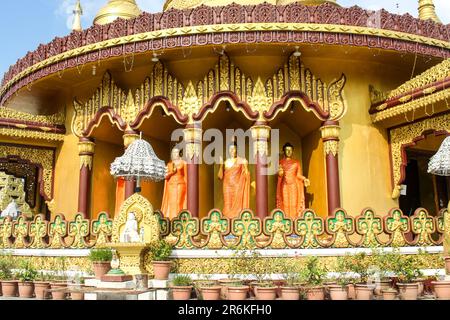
24 24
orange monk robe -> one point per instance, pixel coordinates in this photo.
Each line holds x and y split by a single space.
120 194
291 188
175 190
236 189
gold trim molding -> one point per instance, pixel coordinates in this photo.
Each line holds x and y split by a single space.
18 133
405 135
222 28
410 106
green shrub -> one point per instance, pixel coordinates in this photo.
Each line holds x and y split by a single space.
26 273
161 251
314 274
100 255
182 281
6 265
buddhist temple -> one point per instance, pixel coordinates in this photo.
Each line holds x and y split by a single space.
347 104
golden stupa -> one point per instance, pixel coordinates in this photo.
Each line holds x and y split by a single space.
126 9
188 4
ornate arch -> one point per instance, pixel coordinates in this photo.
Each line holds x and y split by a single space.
408 135
43 158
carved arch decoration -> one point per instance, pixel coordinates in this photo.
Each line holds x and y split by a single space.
409 135
43 158
256 98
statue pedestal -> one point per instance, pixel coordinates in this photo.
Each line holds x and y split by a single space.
131 257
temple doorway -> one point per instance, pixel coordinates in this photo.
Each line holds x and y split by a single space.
421 189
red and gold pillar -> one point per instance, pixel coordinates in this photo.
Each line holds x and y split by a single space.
260 136
330 137
193 140
86 149
128 138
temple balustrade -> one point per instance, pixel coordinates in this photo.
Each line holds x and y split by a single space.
246 232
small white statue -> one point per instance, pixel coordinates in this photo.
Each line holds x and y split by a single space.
130 233
12 210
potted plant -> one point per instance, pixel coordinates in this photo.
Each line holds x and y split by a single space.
339 290
359 265
58 281
237 291
101 260
9 284
389 294
181 287
313 276
407 272
290 289
208 289
161 263
383 261
26 275
41 286
266 290
76 288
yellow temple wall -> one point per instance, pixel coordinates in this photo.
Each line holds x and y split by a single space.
103 185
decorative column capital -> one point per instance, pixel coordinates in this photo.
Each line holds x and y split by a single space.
86 148
129 137
330 136
260 135
193 139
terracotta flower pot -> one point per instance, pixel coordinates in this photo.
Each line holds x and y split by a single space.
237 293
224 283
441 289
315 293
161 269
382 285
266 293
59 294
26 289
338 292
421 284
211 293
76 291
447 265
41 289
181 293
290 293
1 293
363 292
351 291
10 288
389 294
408 291
101 268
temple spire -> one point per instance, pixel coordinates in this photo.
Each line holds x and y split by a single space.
427 11
77 13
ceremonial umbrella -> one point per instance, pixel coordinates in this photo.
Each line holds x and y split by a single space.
440 163
139 161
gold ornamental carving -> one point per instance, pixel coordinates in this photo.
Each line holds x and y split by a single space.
40 135
86 151
404 135
435 74
331 147
260 136
129 138
241 27
259 100
54 119
193 138
41 156
190 105
330 136
410 108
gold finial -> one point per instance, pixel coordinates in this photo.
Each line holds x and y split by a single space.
427 11
77 13
125 9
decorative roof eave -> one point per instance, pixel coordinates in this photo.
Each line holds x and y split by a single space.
325 19
419 102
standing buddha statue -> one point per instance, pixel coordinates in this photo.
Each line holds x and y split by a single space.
236 183
291 184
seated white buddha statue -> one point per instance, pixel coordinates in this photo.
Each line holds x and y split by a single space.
11 210
130 232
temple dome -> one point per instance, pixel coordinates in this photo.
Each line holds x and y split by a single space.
188 4
126 9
